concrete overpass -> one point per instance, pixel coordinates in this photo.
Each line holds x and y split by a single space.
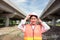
9 10
52 11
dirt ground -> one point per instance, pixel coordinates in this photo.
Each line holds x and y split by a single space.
11 33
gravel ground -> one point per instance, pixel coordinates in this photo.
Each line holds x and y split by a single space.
11 33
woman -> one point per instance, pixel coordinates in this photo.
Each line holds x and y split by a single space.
33 31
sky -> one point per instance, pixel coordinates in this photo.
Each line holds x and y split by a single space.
29 6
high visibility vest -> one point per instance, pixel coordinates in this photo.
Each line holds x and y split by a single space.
31 34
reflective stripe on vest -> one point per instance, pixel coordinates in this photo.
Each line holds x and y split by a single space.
29 35
31 38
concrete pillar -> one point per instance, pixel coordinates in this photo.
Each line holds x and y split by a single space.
7 21
54 21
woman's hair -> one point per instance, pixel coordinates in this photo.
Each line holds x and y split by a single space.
34 16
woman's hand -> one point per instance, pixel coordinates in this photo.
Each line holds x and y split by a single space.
40 20
27 17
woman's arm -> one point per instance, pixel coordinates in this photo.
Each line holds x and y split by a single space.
45 27
22 23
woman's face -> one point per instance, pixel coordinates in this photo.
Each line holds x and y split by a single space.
33 20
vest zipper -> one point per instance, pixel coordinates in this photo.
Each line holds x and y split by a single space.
33 34
33 31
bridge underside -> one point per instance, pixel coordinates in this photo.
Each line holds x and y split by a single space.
8 12
52 14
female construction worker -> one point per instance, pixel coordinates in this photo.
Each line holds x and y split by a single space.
33 30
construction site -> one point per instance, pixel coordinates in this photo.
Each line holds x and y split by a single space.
11 15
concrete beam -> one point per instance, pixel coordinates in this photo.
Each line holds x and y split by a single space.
8 7
5 7
14 6
48 5
52 9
